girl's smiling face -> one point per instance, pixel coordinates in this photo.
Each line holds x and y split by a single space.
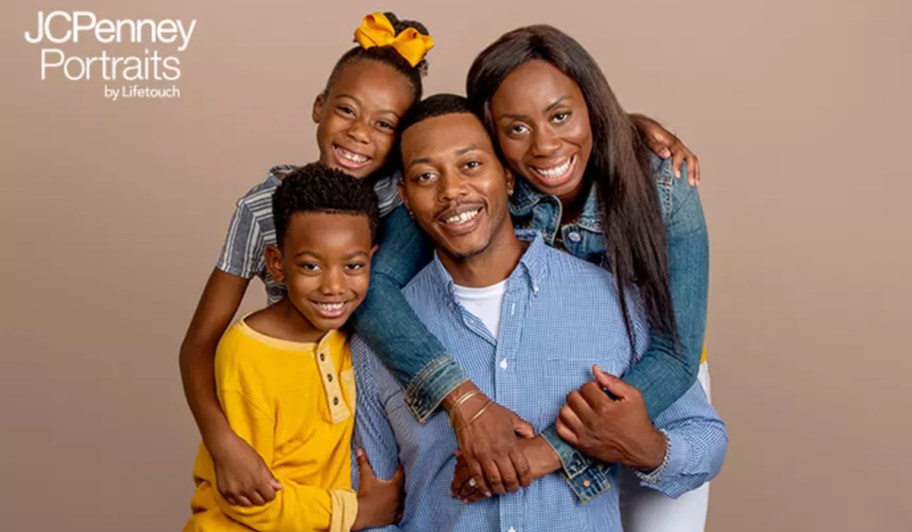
358 117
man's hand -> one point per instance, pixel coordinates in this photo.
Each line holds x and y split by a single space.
611 430
665 144
379 501
489 443
542 460
242 478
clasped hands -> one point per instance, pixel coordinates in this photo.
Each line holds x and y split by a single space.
500 453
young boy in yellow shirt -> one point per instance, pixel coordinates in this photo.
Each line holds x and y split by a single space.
284 374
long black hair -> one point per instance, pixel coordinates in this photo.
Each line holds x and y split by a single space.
619 165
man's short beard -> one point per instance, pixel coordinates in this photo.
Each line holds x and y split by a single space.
462 257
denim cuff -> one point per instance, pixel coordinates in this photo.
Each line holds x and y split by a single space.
428 389
586 477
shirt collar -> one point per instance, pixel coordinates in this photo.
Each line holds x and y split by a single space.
531 268
333 340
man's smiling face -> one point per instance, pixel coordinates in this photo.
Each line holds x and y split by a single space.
455 185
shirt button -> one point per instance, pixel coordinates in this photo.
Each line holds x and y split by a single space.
335 401
511 529
329 377
574 236
503 364
322 357
586 483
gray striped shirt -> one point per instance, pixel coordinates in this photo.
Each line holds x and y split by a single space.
252 228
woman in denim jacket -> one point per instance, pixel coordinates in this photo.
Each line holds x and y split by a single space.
657 237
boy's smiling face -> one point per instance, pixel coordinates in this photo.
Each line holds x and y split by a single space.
325 265
358 117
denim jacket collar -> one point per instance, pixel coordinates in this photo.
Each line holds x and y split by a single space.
526 198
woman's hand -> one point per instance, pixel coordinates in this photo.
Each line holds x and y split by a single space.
611 430
542 460
489 442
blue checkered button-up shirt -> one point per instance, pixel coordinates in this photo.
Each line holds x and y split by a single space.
559 316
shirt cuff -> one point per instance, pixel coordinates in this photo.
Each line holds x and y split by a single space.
344 510
428 389
675 465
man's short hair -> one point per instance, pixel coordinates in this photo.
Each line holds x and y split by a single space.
432 106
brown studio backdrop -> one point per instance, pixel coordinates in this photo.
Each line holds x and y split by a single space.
113 214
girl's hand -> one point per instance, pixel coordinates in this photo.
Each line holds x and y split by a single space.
242 477
665 144
379 501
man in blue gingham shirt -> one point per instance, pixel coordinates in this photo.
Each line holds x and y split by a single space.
556 317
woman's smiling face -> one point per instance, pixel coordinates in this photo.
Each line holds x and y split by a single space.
542 125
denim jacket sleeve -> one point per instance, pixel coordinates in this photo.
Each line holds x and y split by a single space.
661 375
389 326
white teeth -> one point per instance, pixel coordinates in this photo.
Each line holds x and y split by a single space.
351 156
463 217
331 306
555 171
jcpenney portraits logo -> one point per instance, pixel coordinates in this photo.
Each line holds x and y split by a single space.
152 74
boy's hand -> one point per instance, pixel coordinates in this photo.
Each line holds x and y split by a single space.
379 501
242 478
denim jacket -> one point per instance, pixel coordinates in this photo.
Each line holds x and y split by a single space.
428 373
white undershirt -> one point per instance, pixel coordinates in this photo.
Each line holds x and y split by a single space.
483 303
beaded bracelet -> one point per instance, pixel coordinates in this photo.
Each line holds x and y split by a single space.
653 476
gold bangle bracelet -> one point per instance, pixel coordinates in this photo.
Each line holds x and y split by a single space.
477 414
462 399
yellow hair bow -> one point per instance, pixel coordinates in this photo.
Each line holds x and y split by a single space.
377 30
